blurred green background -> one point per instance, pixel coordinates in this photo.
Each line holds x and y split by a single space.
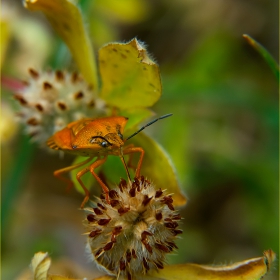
222 138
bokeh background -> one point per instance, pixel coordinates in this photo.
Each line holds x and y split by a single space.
223 137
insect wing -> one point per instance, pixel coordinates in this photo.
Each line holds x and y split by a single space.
77 126
61 140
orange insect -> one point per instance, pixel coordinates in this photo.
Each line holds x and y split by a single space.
99 138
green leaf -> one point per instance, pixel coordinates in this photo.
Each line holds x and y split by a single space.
265 54
129 77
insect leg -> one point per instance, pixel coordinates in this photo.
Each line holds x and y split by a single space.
126 167
131 150
94 165
58 173
78 176
130 157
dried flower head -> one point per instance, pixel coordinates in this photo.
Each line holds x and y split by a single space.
133 233
50 100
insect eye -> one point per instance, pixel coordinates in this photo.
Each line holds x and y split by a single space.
100 141
104 144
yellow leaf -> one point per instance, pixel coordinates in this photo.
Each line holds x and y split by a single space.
135 116
129 77
251 269
66 19
5 36
101 30
158 168
131 11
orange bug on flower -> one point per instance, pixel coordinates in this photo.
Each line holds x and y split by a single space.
99 138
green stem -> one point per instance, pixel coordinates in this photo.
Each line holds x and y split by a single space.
265 54
11 187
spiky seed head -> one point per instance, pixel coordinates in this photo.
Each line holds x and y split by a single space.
50 100
133 233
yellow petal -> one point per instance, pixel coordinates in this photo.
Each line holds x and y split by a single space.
8 126
158 167
59 277
129 77
105 277
40 265
251 269
66 19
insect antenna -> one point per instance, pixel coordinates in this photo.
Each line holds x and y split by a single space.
148 124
